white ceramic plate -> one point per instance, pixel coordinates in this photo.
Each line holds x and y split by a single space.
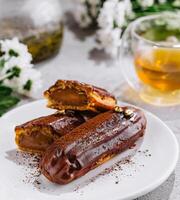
149 167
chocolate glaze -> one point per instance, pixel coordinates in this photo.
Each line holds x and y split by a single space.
36 135
92 143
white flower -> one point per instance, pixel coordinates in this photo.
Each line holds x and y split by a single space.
176 3
22 58
162 1
81 16
16 70
111 20
119 13
106 16
105 19
129 11
28 83
13 61
110 40
34 77
114 13
146 3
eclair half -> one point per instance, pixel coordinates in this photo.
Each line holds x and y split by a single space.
36 135
67 94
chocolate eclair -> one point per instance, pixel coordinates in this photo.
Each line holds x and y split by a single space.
36 135
92 143
73 95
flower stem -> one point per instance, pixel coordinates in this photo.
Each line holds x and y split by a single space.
2 78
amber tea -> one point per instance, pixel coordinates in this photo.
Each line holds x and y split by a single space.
159 68
158 62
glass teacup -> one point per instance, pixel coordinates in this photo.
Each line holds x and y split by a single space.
150 57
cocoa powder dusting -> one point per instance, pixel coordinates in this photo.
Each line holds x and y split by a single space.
30 164
118 168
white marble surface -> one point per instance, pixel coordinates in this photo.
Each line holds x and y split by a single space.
79 60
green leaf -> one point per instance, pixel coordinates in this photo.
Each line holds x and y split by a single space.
28 85
1 53
13 53
2 62
2 111
14 72
7 102
5 91
156 8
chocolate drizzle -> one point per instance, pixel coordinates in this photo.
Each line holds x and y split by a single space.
92 143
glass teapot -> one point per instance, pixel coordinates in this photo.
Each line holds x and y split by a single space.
36 23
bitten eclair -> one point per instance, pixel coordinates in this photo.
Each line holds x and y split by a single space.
92 143
73 95
36 135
